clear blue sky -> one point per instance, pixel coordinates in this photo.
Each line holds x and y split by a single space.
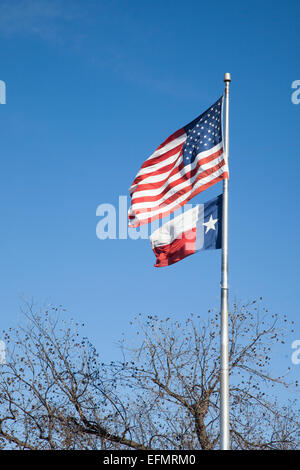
93 87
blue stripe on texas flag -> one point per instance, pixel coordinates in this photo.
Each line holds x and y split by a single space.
213 223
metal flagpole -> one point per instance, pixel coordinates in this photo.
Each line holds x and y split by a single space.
224 378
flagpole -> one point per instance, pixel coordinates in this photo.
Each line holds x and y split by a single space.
224 378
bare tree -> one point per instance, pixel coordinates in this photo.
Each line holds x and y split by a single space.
55 393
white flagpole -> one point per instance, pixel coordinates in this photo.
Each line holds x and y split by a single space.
224 378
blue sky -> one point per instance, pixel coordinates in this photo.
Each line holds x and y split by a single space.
93 87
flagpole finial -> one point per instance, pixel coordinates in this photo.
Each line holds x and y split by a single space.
227 77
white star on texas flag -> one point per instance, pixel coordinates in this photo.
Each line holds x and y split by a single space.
210 225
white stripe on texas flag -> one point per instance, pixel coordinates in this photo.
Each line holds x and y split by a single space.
179 237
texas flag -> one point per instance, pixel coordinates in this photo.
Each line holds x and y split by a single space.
199 228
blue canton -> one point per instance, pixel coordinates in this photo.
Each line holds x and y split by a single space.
203 133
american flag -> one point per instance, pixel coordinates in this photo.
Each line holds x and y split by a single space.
186 163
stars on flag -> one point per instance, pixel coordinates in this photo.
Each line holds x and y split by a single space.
203 133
